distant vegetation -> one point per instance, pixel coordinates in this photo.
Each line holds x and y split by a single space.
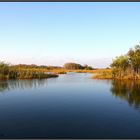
125 66
21 72
75 66
4 70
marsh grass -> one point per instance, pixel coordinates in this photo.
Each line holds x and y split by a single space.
10 72
108 74
103 74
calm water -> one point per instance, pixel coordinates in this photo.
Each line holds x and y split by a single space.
70 106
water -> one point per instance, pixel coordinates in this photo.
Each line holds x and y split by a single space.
70 106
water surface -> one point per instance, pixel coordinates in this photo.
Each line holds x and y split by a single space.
70 106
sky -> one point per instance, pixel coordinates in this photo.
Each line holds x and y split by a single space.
53 33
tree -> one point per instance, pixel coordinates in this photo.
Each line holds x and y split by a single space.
134 58
72 66
119 65
86 67
4 68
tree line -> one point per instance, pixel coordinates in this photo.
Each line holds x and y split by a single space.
128 65
76 66
24 71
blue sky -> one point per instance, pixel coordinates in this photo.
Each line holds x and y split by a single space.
54 33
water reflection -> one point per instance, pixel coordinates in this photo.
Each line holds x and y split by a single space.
3 86
21 84
71 106
127 90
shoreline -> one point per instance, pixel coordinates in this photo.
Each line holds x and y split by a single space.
30 78
109 76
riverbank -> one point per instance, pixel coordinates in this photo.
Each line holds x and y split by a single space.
28 76
108 74
103 74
